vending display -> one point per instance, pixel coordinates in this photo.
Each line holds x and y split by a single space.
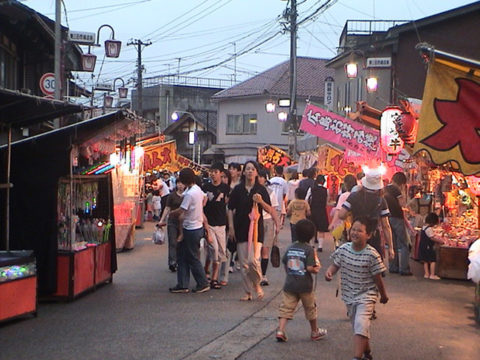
83 214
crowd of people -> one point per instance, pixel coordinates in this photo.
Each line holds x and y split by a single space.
238 212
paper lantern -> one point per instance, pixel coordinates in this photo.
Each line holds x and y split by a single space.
390 140
474 184
407 126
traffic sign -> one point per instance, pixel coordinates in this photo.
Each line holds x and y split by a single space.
47 83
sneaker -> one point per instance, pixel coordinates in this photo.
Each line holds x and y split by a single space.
178 290
434 277
281 336
318 334
367 356
172 267
264 281
230 269
201 289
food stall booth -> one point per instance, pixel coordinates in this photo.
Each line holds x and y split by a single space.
18 267
448 138
65 217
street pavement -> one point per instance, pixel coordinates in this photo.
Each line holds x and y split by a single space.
135 317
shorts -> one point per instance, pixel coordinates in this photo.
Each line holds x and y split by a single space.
290 302
217 250
268 232
360 315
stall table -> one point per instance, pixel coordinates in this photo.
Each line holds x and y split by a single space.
18 284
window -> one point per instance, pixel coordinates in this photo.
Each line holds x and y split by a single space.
8 64
241 124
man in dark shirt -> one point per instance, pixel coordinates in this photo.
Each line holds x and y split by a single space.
216 212
308 181
396 202
369 202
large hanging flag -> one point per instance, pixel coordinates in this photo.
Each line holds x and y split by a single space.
449 124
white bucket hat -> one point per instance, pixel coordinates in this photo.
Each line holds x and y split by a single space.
373 179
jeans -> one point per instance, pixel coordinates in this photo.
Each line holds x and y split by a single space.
400 263
189 259
172 231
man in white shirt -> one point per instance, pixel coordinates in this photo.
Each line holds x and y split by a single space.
192 223
280 187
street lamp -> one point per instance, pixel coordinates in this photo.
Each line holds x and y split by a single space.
112 49
122 91
107 101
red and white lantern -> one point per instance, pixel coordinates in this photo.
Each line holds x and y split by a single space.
407 126
390 140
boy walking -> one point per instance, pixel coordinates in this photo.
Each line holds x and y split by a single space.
360 268
300 262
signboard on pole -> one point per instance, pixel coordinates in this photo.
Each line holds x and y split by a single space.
81 37
328 94
47 84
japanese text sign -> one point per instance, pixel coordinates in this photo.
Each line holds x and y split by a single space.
270 156
338 130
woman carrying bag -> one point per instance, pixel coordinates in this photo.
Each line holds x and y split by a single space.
245 221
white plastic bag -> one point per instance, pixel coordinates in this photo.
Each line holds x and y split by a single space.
474 266
158 236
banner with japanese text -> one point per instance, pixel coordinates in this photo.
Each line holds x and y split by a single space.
449 123
160 156
270 156
340 131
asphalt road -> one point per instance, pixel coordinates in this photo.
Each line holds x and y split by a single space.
136 317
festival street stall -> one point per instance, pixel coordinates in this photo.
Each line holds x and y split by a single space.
71 232
18 267
448 139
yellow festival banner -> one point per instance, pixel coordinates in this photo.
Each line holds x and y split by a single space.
449 123
270 156
160 156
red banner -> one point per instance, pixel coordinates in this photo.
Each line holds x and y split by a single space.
338 130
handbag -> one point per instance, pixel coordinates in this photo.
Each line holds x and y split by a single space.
275 254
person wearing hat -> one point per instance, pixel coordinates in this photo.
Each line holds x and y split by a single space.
368 201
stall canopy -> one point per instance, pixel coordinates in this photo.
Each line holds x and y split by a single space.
19 110
37 164
449 123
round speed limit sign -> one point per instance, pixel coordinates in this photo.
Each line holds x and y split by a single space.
47 83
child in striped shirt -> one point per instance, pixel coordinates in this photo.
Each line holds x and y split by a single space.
361 273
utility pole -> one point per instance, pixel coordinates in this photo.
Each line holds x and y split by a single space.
57 60
138 45
292 114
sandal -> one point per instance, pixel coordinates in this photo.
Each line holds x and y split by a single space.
281 336
223 283
260 293
215 285
246 297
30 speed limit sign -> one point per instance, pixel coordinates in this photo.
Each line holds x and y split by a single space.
47 83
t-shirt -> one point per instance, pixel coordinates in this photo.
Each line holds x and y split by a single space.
173 202
392 193
306 184
193 205
280 187
273 202
296 259
292 185
216 207
299 209
366 203
357 269
241 201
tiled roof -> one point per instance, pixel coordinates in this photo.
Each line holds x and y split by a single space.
311 74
